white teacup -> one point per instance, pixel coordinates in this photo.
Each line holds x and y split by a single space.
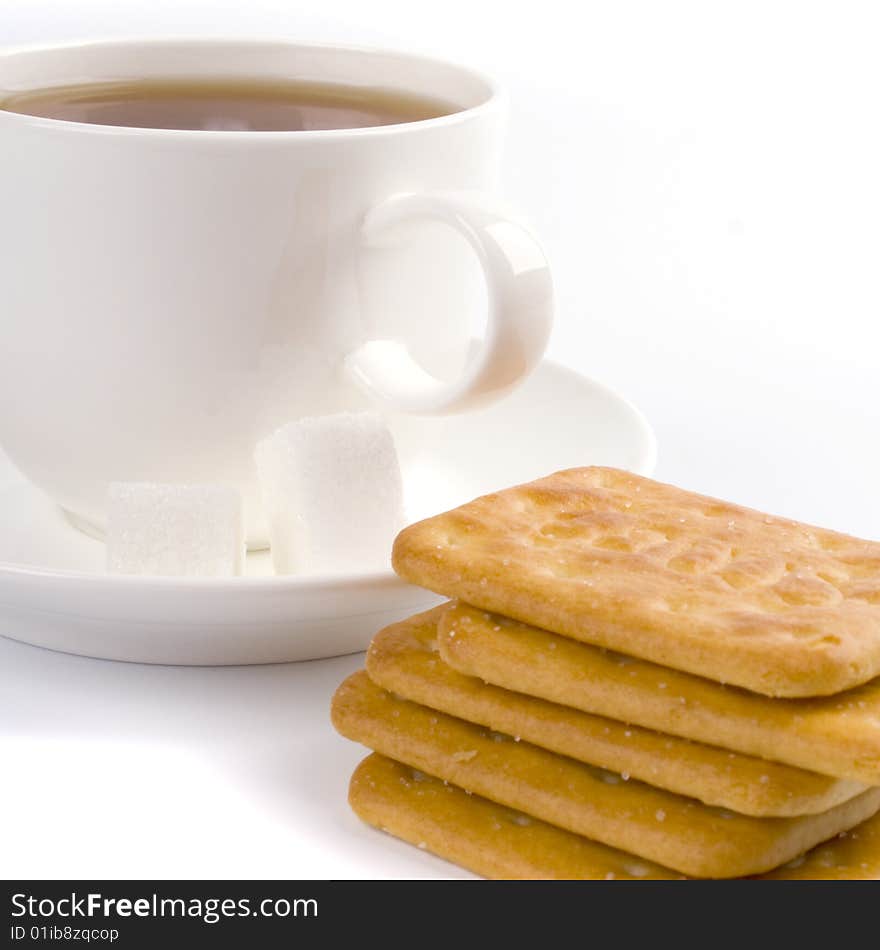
169 297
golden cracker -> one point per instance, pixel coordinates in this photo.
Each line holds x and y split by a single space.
689 582
495 842
853 855
479 835
403 659
669 829
835 735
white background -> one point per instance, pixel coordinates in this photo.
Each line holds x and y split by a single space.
705 178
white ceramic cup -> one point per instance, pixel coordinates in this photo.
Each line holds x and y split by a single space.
169 297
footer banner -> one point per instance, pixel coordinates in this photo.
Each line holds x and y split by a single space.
257 914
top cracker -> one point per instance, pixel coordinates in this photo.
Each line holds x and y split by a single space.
696 584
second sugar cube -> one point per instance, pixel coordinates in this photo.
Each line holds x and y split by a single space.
333 493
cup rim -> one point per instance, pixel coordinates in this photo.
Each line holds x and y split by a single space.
493 98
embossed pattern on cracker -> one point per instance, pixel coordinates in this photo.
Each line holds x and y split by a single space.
692 583
496 842
670 829
837 735
403 659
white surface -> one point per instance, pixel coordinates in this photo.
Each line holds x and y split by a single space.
704 177
54 591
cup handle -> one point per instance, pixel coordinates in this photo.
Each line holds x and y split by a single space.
520 295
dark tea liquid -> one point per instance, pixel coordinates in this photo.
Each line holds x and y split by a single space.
257 105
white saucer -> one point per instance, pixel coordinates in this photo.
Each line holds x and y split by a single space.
54 592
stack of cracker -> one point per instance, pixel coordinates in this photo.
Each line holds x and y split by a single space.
631 681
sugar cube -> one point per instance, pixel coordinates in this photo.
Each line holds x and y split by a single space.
333 493
174 530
